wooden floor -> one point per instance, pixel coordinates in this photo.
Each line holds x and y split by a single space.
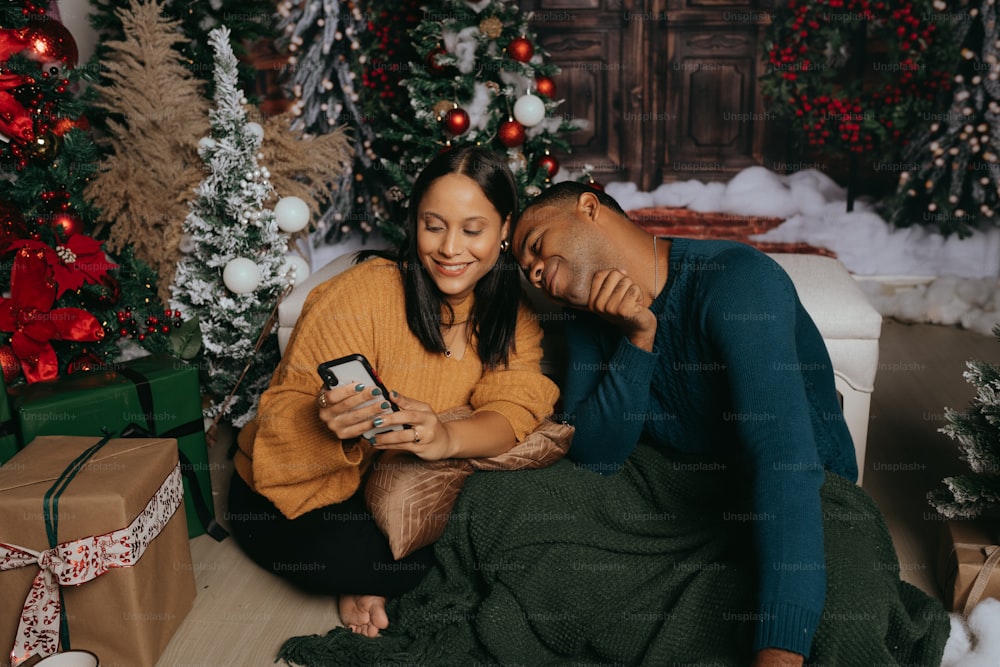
243 614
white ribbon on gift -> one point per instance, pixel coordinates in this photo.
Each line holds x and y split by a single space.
79 561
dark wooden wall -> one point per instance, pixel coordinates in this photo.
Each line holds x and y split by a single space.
669 86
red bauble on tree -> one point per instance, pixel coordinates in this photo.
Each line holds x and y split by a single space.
597 186
66 224
511 133
10 363
520 49
457 121
549 164
545 86
50 41
432 59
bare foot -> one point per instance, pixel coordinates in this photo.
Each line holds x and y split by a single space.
363 614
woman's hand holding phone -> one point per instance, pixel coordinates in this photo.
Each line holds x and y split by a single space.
427 436
342 413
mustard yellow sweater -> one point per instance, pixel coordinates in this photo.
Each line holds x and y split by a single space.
290 456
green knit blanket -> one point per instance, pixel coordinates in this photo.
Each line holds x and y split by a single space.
561 566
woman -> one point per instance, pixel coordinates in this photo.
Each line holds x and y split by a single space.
441 320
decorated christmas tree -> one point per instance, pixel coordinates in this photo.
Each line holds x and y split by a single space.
67 304
150 168
236 272
410 80
480 78
952 180
855 79
977 432
338 54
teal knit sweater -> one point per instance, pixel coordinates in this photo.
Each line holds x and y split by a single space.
739 372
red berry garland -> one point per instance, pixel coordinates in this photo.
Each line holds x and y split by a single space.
812 47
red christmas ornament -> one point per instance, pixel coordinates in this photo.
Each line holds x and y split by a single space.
511 133
457 121
545 86
66 224
520 49
10 363
50 41
549 164
597 186
432 59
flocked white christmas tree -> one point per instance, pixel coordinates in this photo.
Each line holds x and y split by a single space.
236 271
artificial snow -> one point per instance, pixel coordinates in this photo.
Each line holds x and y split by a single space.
913 274
975 642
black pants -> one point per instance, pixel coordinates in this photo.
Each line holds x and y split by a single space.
334 549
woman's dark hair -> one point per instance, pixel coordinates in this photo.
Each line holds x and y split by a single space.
493 318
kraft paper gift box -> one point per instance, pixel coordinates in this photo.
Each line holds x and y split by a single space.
969 563
120 517
159 394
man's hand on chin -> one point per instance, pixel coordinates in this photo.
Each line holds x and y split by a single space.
776 657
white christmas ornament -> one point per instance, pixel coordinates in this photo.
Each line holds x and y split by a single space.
529 110
296 268
291 214
241 275
206 142
256 130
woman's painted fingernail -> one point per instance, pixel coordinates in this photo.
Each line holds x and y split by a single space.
385 405
378 421
358 387
376 392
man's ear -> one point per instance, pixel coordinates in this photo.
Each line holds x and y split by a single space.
589 205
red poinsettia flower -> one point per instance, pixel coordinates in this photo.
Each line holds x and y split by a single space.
75 263
28 314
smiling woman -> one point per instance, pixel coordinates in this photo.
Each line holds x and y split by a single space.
467 339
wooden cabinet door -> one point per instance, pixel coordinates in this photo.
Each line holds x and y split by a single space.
597 48
713 64
669 86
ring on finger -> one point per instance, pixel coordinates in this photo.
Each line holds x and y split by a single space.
416 436
321 400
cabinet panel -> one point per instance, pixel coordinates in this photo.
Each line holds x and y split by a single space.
669 86
711 84
586 44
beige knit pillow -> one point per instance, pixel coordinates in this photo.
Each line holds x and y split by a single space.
411 499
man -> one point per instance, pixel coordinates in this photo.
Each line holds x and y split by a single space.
704 347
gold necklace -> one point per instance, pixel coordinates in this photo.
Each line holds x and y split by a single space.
447 346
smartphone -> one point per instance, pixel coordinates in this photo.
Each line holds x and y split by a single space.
352 369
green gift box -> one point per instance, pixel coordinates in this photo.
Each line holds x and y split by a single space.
8 427
153 396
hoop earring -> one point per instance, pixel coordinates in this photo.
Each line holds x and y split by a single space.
504 245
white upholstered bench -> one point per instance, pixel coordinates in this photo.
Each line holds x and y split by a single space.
850 327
